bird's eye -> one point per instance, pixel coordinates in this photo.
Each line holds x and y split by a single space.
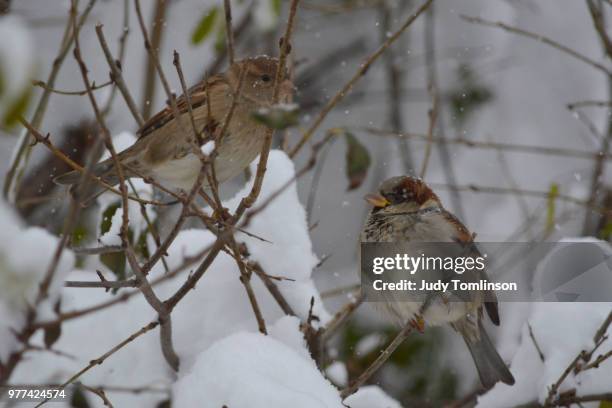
265 78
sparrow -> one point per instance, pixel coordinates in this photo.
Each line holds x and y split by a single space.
405 209
164 149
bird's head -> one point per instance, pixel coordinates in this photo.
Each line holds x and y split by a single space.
403 193
258 82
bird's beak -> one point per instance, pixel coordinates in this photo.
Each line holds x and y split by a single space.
377 200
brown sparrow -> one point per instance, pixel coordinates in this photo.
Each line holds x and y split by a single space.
407 210
164 149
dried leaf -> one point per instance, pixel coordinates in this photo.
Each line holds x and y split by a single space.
205 26
52 334
357 161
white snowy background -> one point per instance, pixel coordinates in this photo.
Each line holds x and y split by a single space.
224 360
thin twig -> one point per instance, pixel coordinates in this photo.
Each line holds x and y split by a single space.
600 26
285 48
122 46
130 283
531 193
117 76
599 162
538 37
241 27
340 318
582 104
433 116
94 87
446 158
380 360
395 79
149 78
103 357
75 166
535 343
100 393
245 279
273 289
583 355
229 32
105 132
519 148
24 147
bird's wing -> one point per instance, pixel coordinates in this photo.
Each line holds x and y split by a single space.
198 96
465 237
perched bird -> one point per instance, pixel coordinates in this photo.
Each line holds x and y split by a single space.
407 210
164 149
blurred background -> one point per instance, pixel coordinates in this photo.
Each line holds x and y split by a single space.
517 154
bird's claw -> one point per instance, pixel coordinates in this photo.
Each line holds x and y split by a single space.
418 323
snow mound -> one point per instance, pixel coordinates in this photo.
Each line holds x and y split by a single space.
561 330
252 370
21 273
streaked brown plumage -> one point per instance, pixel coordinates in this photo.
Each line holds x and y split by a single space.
406 209
165 153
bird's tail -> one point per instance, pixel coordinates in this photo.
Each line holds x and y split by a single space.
105 171
491 368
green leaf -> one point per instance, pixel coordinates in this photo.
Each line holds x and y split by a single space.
204 26
79 400
278 116
605 404
606 231
553 193
276 7
17 108
357 161
220 40
114 261
107 218
164 404
79 235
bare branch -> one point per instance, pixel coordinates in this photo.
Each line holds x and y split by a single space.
24 147
117 77
433 116
229 32
94 87
540 38
380 360
158 29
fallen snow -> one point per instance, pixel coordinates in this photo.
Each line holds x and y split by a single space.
561 330
25 255
371 396
208 147
137 222
251 370
16 60
215 316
